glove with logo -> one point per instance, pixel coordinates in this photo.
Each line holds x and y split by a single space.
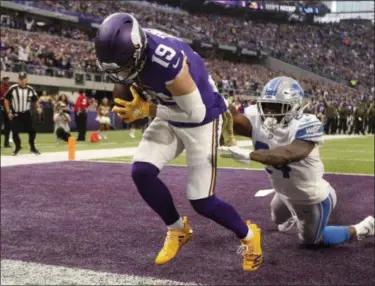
130 111
227 137
240 155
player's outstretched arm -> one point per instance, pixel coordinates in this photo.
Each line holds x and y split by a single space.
294 152
185 92
241 124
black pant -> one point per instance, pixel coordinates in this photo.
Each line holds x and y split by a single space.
62 134
4 120
343 126
328 126
371 125
81 121
334 125
358 126
23 121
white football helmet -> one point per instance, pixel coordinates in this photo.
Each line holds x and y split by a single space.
281 101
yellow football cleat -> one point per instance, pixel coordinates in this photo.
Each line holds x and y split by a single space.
252 250
175 239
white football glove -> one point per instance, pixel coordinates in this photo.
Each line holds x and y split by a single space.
240 155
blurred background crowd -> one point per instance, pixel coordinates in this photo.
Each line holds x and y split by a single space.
342 52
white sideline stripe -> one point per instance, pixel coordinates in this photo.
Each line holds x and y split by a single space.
55 144
232 168
15 272
50 157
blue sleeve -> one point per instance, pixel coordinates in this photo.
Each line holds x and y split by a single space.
310 131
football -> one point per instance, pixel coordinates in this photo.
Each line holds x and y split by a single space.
122 91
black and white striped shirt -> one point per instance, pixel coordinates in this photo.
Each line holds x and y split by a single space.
20 98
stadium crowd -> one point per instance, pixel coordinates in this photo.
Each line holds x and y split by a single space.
344 49
340 51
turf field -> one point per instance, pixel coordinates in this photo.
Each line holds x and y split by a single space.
84 223
353 155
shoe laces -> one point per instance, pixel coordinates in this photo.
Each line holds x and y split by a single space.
289 224
246 250
170 239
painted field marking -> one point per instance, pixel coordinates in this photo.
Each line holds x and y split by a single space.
14 272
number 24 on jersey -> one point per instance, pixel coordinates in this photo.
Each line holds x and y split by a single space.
285 169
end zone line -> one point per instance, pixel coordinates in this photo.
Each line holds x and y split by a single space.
229 168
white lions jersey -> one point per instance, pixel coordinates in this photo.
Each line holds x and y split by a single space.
300 182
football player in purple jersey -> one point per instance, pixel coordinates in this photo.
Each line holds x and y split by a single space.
188 117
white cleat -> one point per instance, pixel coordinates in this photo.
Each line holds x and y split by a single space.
286 226
132 135
365 228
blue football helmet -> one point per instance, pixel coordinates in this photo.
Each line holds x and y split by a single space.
120 47
281 101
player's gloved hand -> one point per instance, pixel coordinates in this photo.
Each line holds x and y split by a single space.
227 135
240 155
130 111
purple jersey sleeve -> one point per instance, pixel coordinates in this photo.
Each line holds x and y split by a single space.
167 58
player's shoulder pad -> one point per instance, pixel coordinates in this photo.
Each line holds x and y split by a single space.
251 111
252 114
166 56
309 128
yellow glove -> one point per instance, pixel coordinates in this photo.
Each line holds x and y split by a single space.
227 135
130 111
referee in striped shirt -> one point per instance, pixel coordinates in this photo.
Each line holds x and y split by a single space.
18 100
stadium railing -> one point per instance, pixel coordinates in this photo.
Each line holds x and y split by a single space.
53 72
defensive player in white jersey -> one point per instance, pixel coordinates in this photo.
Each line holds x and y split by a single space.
188 117
287 142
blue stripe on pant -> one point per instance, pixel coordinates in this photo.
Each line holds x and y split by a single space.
325 209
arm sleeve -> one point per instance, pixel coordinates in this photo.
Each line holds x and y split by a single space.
77 104
85 102
310 129
8 94
34 97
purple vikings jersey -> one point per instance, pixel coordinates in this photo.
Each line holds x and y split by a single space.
165 59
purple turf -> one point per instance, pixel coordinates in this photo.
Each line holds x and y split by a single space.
89 215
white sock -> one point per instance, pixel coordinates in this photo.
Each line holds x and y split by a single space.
179 224
249 235
366 226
